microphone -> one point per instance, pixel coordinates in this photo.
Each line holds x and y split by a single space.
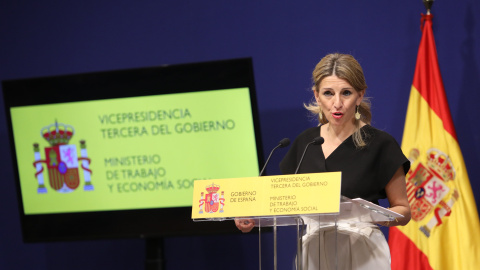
283 143
318 140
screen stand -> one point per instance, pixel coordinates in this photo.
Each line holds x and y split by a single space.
154 254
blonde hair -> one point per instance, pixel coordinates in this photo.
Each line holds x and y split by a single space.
345 67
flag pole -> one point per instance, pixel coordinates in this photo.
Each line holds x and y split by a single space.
428 4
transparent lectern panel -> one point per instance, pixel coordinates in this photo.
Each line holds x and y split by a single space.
351 211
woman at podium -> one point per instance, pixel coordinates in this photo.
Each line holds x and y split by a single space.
372 164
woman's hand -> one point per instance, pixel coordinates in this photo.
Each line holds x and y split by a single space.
245 224
397 197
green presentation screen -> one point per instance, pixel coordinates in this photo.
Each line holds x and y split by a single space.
127 143
131 153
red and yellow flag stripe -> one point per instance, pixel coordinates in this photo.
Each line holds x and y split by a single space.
444 232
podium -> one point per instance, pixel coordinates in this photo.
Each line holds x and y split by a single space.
310 202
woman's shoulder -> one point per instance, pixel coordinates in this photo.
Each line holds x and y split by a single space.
308 134
313 131
379 136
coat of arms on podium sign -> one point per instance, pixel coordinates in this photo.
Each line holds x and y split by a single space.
431 189
61 160
212 201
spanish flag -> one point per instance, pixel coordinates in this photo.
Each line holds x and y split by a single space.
444 232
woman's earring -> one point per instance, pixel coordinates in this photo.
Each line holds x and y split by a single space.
320 116
357 114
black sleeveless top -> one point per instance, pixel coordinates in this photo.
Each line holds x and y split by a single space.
365 171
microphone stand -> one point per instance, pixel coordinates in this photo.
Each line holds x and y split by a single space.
316 141
283 143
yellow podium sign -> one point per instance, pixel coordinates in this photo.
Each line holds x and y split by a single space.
277 195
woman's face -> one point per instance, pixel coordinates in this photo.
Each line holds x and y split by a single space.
338 100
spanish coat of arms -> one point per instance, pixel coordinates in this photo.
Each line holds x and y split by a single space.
212 201
61 160
430 188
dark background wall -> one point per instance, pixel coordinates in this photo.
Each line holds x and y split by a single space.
285 41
